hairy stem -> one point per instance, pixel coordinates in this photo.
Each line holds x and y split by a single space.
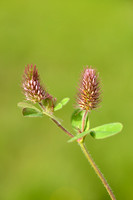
86 153
83 120
93 164
60 126
56 122
96 169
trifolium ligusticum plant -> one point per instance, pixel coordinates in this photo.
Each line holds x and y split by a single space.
88 98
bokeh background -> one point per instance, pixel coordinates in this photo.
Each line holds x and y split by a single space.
36 162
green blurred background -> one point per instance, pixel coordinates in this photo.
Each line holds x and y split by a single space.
36 162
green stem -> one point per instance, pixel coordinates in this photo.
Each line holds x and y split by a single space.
83 120
60 126
86 153
96 169
55 121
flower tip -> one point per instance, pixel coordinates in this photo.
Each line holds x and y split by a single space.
32 88
88 96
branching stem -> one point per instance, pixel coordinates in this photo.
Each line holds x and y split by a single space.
86 153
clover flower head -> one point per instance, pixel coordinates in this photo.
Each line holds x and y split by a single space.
32 88
88 96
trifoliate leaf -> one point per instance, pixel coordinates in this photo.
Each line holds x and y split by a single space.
61 104
65 101
100 132
30 112
58 107
27 105
80 135
106 130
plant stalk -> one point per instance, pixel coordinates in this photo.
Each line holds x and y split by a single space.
86 153
56 122
83 120
96 169
60 126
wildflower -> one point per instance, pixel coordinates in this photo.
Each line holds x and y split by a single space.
32 88
88 96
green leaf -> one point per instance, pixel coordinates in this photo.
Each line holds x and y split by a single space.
76 120
106 130
100 132
27 105
61 104
79 136
30 112
58 107
65 101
